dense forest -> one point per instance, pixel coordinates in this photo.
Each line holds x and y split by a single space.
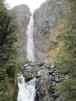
7 56
65 60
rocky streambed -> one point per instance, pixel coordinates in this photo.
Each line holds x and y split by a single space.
47 77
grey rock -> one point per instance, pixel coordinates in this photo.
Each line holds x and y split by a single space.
45 82
45 20
21 15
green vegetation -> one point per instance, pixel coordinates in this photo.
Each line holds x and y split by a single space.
66 60
7 56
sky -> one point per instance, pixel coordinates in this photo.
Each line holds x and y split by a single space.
33 4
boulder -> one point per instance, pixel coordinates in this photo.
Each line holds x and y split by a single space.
47 77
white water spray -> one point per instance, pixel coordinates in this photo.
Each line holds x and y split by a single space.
30 41
26 90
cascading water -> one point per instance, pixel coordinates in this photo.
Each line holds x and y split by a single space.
30 41
26 90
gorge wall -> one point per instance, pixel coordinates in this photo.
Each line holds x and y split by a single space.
50 22
21 15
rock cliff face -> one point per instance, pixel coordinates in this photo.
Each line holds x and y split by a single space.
50 21
21 15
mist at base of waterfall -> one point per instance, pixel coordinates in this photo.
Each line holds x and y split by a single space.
26 90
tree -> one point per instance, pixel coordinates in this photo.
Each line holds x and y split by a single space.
7 55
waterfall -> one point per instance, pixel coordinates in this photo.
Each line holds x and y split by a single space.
30 41
26 90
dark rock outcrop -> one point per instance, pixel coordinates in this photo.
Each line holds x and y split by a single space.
47 77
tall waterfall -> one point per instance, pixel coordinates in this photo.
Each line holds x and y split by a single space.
30 41
26 90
